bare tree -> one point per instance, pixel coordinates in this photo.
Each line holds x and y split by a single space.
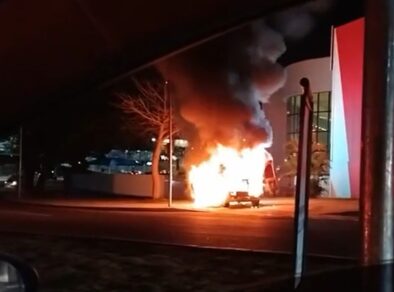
149 109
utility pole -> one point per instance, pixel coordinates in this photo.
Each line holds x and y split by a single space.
377 152
170 142
20 162
303 182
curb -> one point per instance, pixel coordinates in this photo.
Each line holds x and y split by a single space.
96 208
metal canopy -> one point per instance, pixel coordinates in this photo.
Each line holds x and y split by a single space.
51 50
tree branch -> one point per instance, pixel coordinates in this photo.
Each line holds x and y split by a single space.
147 107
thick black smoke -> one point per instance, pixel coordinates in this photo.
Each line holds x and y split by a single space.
219 87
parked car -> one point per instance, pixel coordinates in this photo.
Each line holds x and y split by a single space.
11 182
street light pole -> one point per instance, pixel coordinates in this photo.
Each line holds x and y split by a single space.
377 151
20 162
303 182
170 141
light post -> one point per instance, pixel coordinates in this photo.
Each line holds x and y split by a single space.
303 182
377 150
20 163
170 141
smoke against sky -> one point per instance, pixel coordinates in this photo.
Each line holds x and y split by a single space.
295 23
220 87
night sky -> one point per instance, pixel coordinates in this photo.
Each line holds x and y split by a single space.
65 117
317 43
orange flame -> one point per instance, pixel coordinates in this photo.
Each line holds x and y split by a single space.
228 170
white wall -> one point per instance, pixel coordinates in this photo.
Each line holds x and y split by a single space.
339 178
318 71
119 184
126 184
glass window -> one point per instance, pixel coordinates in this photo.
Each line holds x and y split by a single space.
290 106
315 123
321 117
296 122
323 121
324 102
297 103
289 124
294 137
322 138
315 102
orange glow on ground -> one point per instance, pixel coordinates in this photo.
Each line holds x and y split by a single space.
228 170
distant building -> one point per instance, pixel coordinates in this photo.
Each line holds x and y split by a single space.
9 157
135 161
117 161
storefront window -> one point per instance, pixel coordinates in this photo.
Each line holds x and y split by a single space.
321 117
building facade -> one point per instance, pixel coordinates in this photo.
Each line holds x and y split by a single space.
336 83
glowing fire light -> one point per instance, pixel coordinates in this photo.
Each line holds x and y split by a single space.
228 170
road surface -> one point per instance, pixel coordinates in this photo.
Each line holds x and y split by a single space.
238 228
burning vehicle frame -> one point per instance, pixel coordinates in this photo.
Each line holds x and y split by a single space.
243 197
240 194
219 102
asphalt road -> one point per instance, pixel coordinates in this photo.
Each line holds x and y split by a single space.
244 229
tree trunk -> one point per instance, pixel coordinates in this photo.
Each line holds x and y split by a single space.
156 186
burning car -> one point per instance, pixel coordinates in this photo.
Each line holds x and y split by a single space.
232 177
242 196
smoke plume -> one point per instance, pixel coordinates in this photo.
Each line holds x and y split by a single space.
295 23
220 87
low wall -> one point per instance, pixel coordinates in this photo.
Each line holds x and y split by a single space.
125 184
119 184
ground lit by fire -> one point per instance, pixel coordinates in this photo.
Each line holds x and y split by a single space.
228 170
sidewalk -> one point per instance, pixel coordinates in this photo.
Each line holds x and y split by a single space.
319 206
129 204
326 207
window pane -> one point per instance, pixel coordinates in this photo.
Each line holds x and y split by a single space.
324 121
314 137
324 102
315 122
289 124
297 102
321 117
289 105
323 138
296 123
315 102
